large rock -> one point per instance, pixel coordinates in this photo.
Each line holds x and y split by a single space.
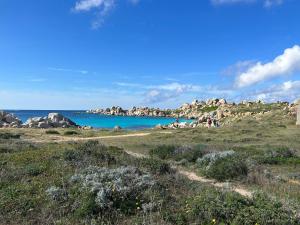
43 124
9 120
117 128
220 114
53 120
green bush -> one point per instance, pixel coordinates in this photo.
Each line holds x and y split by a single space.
216 207
52 132
34 170
209 108
227 168
163 151
7 135
279 155
190 153
92 152
71 155
263 210
71 132
156 166
212 205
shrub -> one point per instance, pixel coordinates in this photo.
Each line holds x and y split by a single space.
122 188
56 194
212 205
209 108
7 135
227 168
156 166
282 152
223 165
34 170
163 151
71 155
190 153
278 155
71 132
263 210
100 152
216 207
52 132
209 159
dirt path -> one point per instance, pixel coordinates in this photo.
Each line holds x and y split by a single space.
194 177
59 139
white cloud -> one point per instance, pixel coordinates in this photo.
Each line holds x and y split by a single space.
125 84
287 91
269 3
266 3
222 2
282 65
102 7
68 70
161 93
172 91
238 68
87 5
38 80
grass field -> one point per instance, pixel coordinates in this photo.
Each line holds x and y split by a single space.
63 176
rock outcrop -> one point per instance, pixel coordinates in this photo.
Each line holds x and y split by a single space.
9 120
53 120
135 111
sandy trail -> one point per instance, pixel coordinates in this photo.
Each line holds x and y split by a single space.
194 177
59 139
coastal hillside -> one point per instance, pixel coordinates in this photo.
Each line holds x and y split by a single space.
245 171
201 111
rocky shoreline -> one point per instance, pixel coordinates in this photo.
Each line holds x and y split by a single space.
213 112
219 111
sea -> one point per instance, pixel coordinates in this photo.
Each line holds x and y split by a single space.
99 121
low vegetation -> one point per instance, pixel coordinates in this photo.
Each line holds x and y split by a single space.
223 166
99 183
7 135
71 132
184 152
52 132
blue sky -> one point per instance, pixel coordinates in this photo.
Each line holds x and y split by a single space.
80 54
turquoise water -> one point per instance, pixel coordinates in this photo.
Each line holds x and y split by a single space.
99 121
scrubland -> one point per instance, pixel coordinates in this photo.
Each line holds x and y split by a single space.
59 177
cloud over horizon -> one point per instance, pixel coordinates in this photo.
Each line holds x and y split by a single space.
287 91
282 65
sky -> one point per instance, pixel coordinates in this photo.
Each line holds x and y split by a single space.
82 54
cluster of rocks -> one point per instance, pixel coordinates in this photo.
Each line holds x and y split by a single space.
220 112
135 111
193 110
9 120
53 120
216 110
